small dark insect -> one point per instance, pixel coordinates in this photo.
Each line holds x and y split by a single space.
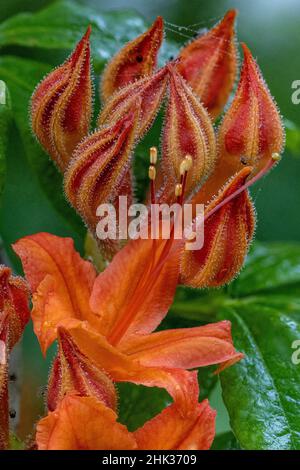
244 160
12 413
171 57
139 58
12 377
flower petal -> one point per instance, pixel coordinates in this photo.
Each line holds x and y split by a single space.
72 370
180 384
61 283
171 431
135 60
228 231
209 64
61 105
135 291
185 348
82 423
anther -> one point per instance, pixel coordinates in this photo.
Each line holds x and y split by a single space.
276 157
186 164
152 172
153 155
178 189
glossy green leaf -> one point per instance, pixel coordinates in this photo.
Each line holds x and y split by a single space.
5 119
225 441
262 392
269 267
292 138
63 23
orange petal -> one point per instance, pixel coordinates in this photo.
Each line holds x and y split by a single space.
171 431
14 309
61 283
227 234
252 126
180 384
145 95
97 170
72 370
61 105
188 130
135 291
135 60
82 423
185 348
209 64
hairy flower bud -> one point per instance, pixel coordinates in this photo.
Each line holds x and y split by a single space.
145 95
73 371
228 230
252 126
61 105
97 173
188 131
14 314
135 60
209 64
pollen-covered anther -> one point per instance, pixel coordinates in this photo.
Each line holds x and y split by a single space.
61 105
152 172
178 189
153 155
276 157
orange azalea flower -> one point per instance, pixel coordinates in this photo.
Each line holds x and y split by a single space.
107 320
14 314
78 423
198 82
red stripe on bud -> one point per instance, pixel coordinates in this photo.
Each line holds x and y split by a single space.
227 234
61 105
135 60
209 64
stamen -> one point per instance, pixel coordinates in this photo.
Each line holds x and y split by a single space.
178 189
184 168
152 172
273 161
153 155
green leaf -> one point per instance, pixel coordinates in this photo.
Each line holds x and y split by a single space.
262 392
62 24
5 119
292 138
225 441
138 404
269 267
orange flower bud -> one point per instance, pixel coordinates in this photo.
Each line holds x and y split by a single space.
72 371
61 105
14 311
188 131
228 230
14 314
146 94
209 64
252 126
135 60
99 167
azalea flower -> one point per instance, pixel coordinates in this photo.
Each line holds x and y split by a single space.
107 321
197 84
78 423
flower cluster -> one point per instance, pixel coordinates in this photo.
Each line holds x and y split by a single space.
105 323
